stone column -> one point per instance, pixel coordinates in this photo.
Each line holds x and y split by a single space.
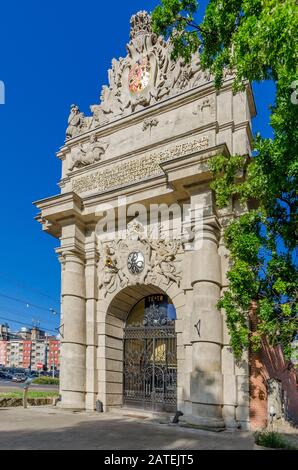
206 387
73 343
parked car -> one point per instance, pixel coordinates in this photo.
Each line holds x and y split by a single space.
19 378
5 375
32 375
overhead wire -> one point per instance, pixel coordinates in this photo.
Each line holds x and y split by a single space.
27 324
29 304
26 286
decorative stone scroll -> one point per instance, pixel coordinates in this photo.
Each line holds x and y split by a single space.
135 170
161 263
147 75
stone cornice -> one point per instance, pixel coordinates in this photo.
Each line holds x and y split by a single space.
251 101
69 200
54 211
60 210
247 126
152 147
186 170
152 111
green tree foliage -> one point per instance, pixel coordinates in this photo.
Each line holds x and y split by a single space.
257 40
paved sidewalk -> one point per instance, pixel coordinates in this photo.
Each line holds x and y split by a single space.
52 428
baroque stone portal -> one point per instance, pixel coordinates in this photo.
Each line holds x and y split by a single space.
149 140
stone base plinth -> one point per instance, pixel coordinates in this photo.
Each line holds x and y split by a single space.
210 424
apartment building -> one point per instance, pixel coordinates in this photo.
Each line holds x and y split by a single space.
31 349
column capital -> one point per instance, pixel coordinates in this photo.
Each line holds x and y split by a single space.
91 257
206 229
68 254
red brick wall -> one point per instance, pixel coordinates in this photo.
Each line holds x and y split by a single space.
269 363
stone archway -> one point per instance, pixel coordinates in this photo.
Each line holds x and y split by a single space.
111 339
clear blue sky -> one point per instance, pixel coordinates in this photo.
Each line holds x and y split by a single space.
52 54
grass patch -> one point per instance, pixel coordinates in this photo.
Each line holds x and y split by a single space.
273 440
46 381
31 394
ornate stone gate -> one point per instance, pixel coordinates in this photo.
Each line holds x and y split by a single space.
150 358
149 140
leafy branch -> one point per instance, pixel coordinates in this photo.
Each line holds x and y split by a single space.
257 39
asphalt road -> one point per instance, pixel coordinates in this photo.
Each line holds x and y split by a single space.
7 386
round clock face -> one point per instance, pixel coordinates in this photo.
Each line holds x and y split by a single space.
136 262
139 76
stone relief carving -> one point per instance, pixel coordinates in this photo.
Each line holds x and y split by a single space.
161 260
149 123
205 110
136 170
112 273
86 154
98 116
146 76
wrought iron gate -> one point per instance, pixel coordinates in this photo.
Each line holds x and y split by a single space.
150 367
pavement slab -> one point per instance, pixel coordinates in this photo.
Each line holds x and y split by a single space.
50 428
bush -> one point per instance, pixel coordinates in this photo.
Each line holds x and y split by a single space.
31 394
46 381
273 440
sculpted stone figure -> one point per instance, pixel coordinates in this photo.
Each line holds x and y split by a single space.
111 274
147 75
163 260
86 154
99 118
75 122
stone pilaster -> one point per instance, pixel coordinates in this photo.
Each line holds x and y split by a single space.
235 373
73 344
91 329
206 384
228 360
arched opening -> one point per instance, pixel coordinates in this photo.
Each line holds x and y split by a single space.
123 320
150 355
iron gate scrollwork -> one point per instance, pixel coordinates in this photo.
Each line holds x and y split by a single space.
150 363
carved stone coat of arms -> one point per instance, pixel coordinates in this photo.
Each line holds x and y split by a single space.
138 259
